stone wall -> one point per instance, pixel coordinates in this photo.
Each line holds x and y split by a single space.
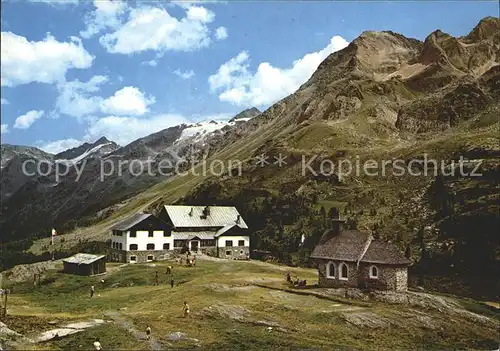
209 251
142 256
117 256
389 277
385 280
236 252
324 281
401 279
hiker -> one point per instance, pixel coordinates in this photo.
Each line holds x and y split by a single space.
288 277
92 291
148 332
156 278
186 310
172 282
194 260
169 270
97 345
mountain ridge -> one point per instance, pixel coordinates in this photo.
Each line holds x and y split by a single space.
392 106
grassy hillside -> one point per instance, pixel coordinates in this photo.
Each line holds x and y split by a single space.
238 305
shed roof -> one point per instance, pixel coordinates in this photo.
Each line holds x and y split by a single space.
83 258
130 221
351 245
219 216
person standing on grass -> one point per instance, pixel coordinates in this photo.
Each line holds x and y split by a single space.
172 281
92 291
148 332
194 260
156 278
186 310
97 345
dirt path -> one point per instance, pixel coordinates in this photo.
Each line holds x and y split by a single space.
129 326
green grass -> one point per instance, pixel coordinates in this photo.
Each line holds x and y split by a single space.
110 336
310 322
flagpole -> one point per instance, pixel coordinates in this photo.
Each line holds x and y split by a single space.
52 240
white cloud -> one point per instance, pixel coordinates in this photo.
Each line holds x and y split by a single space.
4 128
74 97
57 146
221 33
152 63
25 121
150 28
56 2
45 61
128 100
107 14
120 129
5 101
268 84
184 75
124 130
201 14
79 99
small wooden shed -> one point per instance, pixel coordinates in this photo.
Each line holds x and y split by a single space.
85 264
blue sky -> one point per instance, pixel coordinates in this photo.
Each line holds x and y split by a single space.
76 70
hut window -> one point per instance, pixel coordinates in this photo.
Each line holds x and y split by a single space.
132 247
373 272
150 234
344 272
133 234
229 243
179 243
166 233
166 246
150 246
133 258
207 242
229 253
151 258
241 242
330 270
121 246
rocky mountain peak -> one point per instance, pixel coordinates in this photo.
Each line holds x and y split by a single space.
246 114
107 146
102 140
486 28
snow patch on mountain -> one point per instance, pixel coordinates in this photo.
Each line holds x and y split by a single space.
86 154
196 132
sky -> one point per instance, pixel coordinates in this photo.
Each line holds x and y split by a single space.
74 70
